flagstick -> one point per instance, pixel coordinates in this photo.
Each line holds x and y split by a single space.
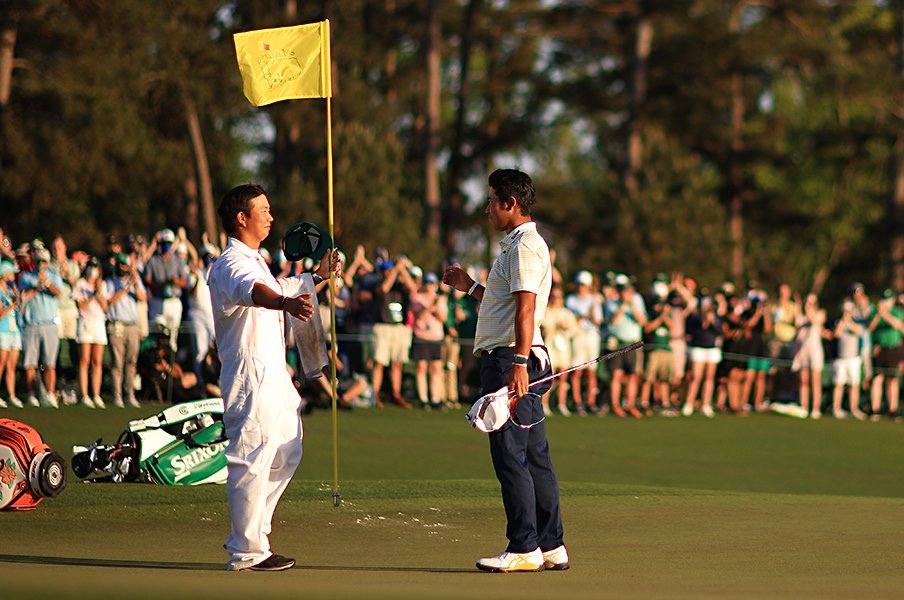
337 497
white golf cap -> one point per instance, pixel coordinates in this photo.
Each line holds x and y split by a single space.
490 412
584 278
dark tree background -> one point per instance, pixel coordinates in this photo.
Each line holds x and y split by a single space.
723 138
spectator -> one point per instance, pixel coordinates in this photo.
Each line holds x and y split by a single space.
625 318
704 329
125 292
162 379
165 274
41 288
682 303
887 330
138 253
657 347
809 358
91 335
587 306
451 351
10 336
108 259
200 311
69 270
730 371
465 315
757 325
785 314
392 336
6 247
430 310
558 327
864 315
847 365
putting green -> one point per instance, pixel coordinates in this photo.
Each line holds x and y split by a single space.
656 508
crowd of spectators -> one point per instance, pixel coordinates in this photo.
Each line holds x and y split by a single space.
134 324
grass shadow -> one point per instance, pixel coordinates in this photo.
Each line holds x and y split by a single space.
190 566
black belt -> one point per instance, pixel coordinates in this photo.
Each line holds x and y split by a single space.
510 348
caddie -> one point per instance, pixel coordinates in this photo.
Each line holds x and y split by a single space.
261 413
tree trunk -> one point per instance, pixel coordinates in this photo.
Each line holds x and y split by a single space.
201 166
432 214
7 55
735 169
896 209
453 204
642 43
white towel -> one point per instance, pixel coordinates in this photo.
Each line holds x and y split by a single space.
308 334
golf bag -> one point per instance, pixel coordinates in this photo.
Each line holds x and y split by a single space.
29 470
182 445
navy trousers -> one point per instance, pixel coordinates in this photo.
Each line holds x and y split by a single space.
530 489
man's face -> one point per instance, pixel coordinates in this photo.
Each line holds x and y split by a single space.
258 219
496 213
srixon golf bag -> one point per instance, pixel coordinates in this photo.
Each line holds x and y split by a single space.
29 470
183 445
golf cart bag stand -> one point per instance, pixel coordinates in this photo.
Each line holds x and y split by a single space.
182 445
29 470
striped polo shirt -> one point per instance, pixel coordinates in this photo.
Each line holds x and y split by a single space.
523 266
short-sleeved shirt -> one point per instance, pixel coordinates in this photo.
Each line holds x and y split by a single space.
83 290
658 338
161 270
125 309
848 343
886 336
627 328
43 307
523 266
703 335
8 322
588 309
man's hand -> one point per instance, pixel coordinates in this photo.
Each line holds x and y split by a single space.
299 307
457 278
331 262
519 380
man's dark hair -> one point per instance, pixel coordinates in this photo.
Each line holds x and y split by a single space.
509 182
237 200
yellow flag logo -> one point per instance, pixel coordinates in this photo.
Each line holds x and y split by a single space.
285 63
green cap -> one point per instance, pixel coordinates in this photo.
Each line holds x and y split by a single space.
306 240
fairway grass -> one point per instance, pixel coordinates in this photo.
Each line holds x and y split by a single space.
755 507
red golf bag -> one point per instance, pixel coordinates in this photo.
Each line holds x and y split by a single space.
29 470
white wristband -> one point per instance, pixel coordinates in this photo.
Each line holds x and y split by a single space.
473 287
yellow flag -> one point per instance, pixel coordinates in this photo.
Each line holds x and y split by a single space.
285 63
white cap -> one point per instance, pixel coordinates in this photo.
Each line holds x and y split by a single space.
584 278
167 235
416 271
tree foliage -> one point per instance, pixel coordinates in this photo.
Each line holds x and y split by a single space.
785 112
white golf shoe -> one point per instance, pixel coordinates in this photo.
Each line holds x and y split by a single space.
556 560
512 562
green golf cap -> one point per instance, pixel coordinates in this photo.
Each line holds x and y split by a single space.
306 240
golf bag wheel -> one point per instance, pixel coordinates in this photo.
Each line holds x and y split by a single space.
47 474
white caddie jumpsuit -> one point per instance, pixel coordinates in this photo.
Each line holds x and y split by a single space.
261 405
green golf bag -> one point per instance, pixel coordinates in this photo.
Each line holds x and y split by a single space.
182 445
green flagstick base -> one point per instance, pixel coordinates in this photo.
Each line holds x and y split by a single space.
337 499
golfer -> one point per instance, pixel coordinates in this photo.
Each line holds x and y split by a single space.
261 415
510 346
